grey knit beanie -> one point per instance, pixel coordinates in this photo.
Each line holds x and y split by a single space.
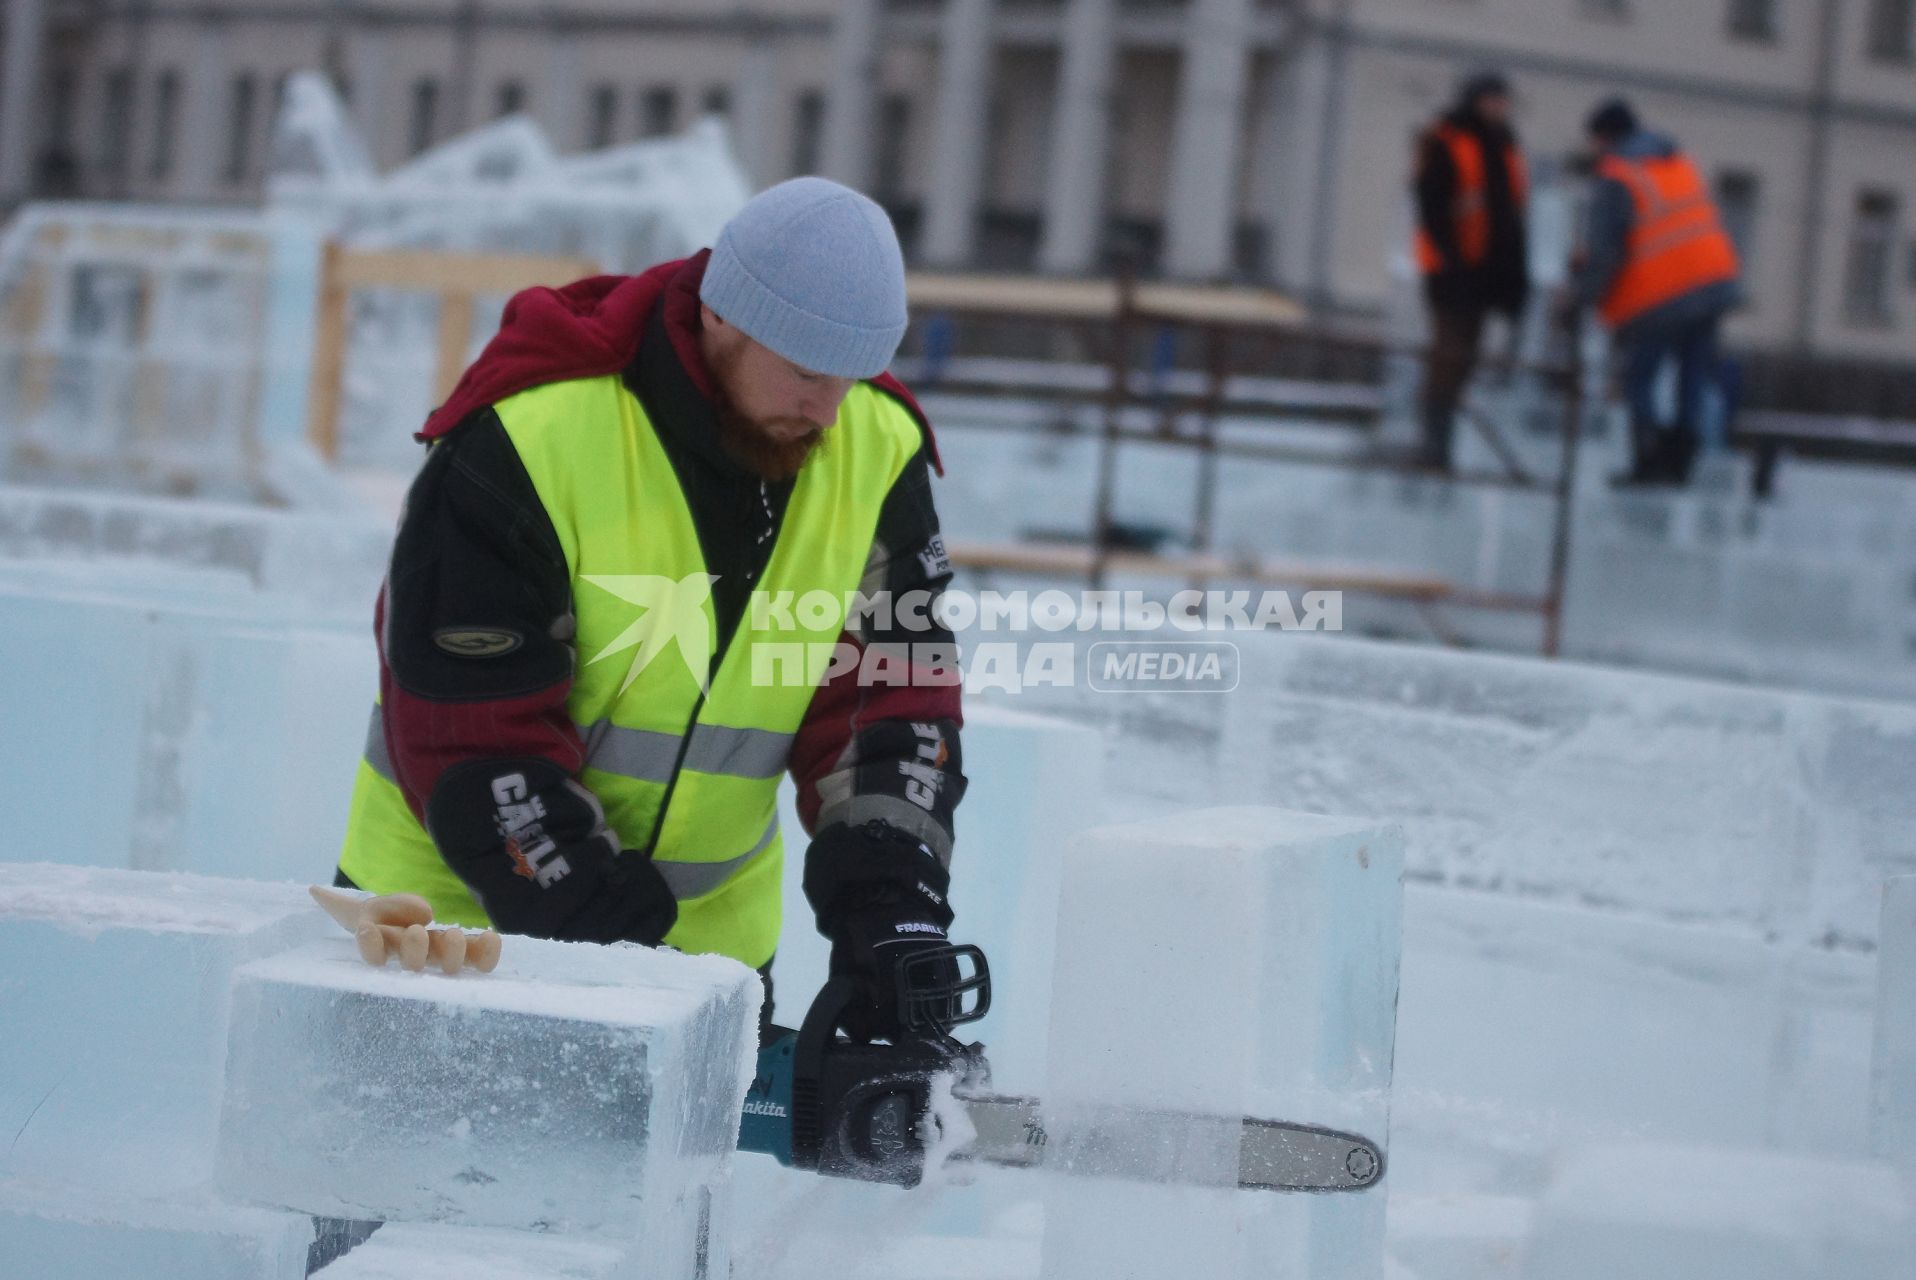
812 270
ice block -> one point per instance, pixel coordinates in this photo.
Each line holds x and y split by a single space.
1238 962
575 1089
113 1000
71 1232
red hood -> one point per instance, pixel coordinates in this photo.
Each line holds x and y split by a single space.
593 327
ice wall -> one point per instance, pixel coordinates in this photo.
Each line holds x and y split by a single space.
1773 813
1893 1083
1230 962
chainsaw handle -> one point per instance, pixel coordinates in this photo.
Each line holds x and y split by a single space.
816 1035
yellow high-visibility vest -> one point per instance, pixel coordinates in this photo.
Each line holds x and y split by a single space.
644 623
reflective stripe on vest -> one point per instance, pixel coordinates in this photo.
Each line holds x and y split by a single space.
644 640
1470 206
1677 242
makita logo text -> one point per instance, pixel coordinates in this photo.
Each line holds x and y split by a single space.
770 1109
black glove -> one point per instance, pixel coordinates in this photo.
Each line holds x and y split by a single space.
880 896
532 845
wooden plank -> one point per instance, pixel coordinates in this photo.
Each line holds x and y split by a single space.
1047 298
1013 295
455 335
329 357
475 274
1208 304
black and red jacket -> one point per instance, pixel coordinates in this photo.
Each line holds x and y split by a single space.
475 548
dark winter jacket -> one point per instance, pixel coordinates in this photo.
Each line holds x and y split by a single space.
1502 281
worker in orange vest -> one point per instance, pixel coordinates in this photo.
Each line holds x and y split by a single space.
1662 272
1471 244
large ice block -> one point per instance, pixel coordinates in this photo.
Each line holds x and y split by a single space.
1660 1210
1238 962
113 1015
65 1232
1893 1082
419 1251
577 1088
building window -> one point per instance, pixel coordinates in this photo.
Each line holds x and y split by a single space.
166 118
1738 193
602 116
658 111
239 139
116 132
894 127
425 105
1872 248
808 131
57 170
716 102
509 99
1892 30
1753 19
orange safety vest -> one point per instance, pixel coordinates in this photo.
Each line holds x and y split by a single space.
1470 208
1677 241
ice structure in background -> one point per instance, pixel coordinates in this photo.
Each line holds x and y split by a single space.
502 188
167 350
1657 1211
1893 1085
114 1009
134 347
575 1089
1238 962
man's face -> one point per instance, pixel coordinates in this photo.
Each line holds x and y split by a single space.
1493 108
771 412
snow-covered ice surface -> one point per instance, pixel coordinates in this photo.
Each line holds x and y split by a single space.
1662 1210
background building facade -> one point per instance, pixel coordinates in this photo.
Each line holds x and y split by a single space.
1260 140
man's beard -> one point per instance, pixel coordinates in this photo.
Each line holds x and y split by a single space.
750 442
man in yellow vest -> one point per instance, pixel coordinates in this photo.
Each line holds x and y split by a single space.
625 599
1471 244
1662 272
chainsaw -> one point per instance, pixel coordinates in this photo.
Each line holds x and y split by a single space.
873 1111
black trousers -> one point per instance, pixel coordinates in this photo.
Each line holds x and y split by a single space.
1457 331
